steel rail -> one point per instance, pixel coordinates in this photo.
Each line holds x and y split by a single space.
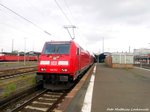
28 102
49 108
54 105
16 75
11 73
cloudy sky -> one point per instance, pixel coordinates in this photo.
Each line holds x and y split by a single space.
120 23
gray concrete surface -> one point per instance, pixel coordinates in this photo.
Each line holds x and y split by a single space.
121 90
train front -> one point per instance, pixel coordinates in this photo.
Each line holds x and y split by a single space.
54 63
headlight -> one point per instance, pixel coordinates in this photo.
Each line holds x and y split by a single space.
64 69
43 69
44 62
63 63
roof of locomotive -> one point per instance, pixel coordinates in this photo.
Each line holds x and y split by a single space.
60 42
63 42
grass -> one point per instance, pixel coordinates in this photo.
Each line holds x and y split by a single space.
13 85
10 88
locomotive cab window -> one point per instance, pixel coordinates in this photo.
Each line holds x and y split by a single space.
77 51
51 48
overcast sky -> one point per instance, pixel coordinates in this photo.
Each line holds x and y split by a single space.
122 23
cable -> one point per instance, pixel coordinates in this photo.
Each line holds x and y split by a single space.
25 19
68 8
63 12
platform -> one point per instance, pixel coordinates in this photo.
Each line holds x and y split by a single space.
121 90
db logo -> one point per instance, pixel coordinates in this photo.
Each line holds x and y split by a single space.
53 62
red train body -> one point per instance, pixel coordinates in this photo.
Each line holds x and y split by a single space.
5 57
62 61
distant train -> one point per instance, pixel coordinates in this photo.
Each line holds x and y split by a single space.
62 61
10 57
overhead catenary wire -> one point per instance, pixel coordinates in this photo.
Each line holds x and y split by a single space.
39 11
63 12
70 11
25 19
68 26
67 6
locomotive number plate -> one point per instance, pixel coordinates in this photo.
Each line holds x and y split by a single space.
53 70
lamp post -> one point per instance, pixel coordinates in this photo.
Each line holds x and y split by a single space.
103 45
18 56
148 58
25 51
12 45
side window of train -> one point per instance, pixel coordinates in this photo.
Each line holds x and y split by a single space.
77 51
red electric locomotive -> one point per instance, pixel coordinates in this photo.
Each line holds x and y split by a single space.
62 61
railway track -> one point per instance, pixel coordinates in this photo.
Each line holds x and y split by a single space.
9 73
44 101
40 100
